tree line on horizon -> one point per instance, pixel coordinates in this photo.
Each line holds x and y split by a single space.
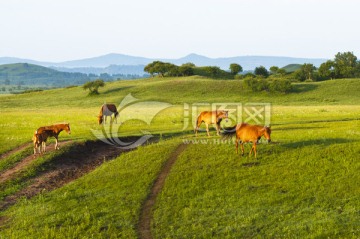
276 79
344 65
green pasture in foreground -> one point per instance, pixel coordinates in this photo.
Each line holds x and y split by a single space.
302 186
102 204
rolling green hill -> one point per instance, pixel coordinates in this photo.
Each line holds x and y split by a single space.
193 89
291 67
302 185
29 74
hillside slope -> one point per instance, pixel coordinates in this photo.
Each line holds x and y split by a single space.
291 67
29 74
196 89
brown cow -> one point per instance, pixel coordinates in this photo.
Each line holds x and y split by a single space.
107 110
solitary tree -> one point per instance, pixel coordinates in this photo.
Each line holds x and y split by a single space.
93 86
326 70
345 64
235 68
161 68
261 71
281 71
308 70
274 70
186 70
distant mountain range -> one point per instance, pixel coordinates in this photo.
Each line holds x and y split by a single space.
30 74
125 64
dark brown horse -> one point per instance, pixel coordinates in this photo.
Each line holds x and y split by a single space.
43 133
107 110
248 133
211 117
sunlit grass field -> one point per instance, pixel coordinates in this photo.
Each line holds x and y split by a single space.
304 185
22 114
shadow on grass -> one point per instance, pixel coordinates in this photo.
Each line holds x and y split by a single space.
320 121
298 128
115 90
301 88
322 142
251 164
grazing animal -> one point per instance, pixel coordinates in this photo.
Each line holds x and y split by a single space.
107 110
211 117
248 133
43 133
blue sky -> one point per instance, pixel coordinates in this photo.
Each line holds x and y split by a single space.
60 30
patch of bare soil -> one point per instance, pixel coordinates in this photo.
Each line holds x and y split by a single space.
144 226
81 159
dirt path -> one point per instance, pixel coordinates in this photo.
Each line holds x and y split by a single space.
81 159
144 227
12 172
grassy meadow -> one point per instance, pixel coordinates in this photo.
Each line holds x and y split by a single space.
304 185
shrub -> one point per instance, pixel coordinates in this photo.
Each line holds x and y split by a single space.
280 85
93 86
257 84
262 84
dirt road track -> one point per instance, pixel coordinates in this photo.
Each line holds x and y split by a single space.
144 226
81 159
69 166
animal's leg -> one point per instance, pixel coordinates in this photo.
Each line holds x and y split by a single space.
56 143
237 146
217 126
207 129
197 127
39 148
43 145
242 148
253 148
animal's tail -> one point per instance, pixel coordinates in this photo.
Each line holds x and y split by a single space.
229 132
198 123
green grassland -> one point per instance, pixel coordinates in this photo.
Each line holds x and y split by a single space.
302 186
22 114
